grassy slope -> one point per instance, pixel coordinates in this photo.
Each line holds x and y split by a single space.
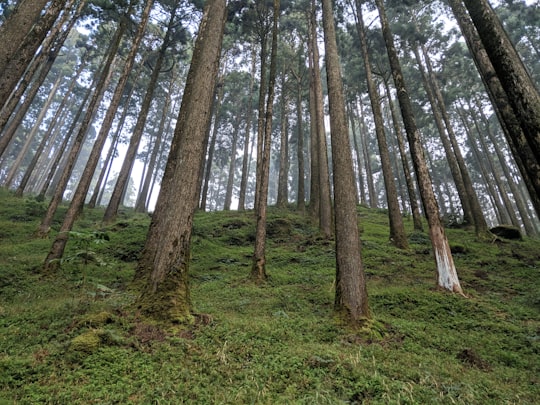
74 339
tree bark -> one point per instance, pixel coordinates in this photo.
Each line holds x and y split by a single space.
528 164
17 26
258 269
19 61
162 272
451 160
232 166
411 190
283 177
446 271
325 198
522 94
397 229
77 202
140 205
351 301
247 136
131 153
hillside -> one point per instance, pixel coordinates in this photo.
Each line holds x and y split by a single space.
75 339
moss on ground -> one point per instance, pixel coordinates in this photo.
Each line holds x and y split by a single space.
75 338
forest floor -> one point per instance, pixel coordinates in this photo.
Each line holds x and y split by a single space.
73 338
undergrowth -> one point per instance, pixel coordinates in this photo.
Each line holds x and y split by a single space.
73 339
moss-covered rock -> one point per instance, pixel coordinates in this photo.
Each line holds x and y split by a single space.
96 319
88 342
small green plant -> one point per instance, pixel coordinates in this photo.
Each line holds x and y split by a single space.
84 243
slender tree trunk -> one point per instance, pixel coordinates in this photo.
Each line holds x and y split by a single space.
232 166
415 209
397 229
351 301
245 158
301 193
315 184
283 177
43 60
212 146
325 199
32 135
447 274
361 183
140 205
507 210
451 160
162 272
258 269
480 224
367 160
43 143
77 202
131 153
500 212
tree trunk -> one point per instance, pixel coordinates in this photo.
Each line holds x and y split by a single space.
232 166
367 160
212 146
131 153
43 60
325 198
17 26
44 140
359 161
351 301
258 269
245 158
480 225
314 190
283 177
140 205
447 274
451 160
411 190
528 164
32 135
517 83
19 61
162 272
77 202
397 229
301 193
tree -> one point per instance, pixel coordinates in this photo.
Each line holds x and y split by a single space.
101 82
20 57
258 269
351 302
411 190
77 202
321 174
397 229
162 271
129 159
516 81
447 274
524 156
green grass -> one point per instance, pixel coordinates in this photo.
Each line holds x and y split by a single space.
74 339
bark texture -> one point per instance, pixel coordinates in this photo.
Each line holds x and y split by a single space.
351 301
446 271
522 94
162 272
